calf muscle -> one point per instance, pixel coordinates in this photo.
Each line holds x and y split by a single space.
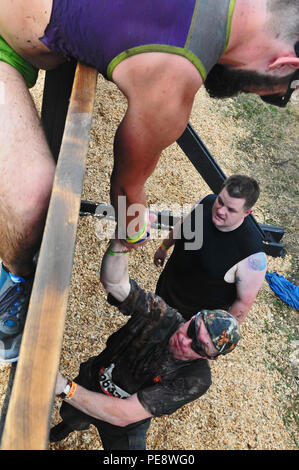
17 248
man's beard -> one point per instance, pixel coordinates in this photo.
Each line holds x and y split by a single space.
224 82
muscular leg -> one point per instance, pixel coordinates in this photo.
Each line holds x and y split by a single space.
26 174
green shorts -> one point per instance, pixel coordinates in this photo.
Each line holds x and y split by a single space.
8 55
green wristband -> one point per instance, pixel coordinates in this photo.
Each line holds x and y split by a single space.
114 253
138 236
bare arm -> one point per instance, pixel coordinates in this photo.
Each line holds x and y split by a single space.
114 270
117 411
249 277
160 89
161 253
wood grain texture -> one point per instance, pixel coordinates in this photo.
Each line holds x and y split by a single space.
27 421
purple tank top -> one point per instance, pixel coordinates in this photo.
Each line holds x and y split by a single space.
102 33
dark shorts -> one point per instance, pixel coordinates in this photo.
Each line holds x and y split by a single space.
8 55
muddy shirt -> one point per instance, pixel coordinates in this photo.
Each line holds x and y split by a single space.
143 363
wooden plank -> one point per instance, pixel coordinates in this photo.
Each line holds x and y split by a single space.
29 411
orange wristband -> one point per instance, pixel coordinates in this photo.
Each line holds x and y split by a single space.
72 390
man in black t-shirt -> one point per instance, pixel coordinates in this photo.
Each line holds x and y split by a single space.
229 267
151 366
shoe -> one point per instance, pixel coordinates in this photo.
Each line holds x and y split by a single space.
60 432
14 300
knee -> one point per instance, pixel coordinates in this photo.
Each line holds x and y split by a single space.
36 208
32 205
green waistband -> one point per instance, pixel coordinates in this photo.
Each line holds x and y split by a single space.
8 55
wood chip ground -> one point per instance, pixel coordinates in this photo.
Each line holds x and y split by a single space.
241 410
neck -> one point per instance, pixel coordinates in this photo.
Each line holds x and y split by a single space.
230 229
247 32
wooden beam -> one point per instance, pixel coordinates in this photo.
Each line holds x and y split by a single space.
29 411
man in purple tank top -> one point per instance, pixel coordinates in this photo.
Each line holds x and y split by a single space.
159 54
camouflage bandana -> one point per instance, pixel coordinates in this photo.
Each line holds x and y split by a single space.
223 329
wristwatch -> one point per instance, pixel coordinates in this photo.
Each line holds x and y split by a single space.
66 390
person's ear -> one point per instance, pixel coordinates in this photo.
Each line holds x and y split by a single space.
291 61
249 211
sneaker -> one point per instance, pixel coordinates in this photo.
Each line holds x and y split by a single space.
14 300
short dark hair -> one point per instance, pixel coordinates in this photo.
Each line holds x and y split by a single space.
242 187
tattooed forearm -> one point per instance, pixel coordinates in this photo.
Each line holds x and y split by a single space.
257 262
238 311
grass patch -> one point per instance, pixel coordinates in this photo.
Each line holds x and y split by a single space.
268 150
281 333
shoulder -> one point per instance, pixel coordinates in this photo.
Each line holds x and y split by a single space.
251 235
210 198
146 70
194 378
253 264
257 261
250 275
175 389
249 240
206 202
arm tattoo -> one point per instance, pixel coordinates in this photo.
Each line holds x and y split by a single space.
257 262
239 315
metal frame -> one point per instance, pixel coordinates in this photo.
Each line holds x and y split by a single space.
206 165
